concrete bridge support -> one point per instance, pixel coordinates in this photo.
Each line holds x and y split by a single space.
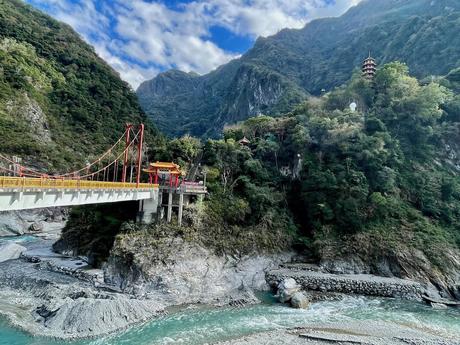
181 208
177 199
170 205
147 211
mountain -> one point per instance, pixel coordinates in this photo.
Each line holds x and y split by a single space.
59 102
370 191
281 70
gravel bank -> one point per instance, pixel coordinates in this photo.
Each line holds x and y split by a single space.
373 333
61 306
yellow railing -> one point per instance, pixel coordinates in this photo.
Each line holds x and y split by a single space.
27 182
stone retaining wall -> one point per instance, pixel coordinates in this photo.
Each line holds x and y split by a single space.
357 284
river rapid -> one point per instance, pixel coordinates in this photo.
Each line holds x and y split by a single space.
199 325
205 325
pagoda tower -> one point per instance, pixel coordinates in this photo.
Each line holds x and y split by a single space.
369 67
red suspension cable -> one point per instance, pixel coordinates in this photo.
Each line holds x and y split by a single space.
124 157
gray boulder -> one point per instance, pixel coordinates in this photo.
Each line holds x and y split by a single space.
11 224
299 301
10 251
36 227
286 289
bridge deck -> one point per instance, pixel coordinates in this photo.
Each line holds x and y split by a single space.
18 193
43 183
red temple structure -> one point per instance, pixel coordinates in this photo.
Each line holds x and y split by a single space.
164 173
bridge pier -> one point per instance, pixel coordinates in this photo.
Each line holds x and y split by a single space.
181 208
147 211
160 212
170 201
177 199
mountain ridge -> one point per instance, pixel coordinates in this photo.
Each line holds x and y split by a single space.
300 62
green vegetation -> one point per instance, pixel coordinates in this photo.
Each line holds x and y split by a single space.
373 183
331 182
324 175
60 104
282 70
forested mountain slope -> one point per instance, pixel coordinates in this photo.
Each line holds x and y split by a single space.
369 191
59 102
374 190
281 70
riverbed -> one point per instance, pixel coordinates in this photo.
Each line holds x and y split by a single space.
199 325
205 325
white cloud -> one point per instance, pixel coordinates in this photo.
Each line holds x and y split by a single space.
152 33
134 74
139 38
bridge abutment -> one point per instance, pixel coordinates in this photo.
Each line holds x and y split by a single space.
170 205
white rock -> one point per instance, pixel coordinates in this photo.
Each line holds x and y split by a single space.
286 289
299 301
288 283
11 251
438 306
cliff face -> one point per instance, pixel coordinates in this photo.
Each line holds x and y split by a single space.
182 272
255 90
281 70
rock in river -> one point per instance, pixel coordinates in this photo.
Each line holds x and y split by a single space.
10 251
299 301
286 289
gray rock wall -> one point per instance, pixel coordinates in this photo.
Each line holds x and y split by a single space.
14 223
190 274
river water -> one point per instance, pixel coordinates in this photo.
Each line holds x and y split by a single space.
204 325
199 326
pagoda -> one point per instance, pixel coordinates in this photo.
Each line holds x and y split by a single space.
369 67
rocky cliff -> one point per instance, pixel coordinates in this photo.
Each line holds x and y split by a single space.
183 272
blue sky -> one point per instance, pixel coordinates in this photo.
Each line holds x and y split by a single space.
141 38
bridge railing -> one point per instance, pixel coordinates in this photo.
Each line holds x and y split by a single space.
193 188
49 183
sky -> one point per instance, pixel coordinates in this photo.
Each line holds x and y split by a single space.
141 38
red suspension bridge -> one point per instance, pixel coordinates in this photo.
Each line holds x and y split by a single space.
114 176
118 167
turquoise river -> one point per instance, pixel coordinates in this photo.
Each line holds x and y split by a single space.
205 325
199 326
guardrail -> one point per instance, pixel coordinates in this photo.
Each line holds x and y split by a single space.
187 188
27 182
